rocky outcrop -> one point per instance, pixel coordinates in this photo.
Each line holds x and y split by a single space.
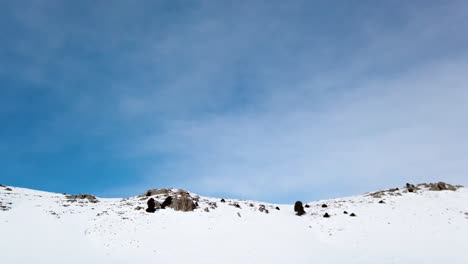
179 200
412 188
442 186
81 198
183 203
153 192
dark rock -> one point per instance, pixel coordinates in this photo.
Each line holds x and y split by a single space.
223 201
306 206
298 208
251 205
352 214
213 205
8 189
277 208
150 210
411 187
324 206
206 210
138 208
381 202
196 204
345 212
152 205
167 202
326 215
261 207
238 214
236 205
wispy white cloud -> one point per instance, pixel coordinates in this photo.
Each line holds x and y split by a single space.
257 100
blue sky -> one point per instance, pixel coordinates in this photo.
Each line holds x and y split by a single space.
269 100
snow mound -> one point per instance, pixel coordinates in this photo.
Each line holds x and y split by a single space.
427 225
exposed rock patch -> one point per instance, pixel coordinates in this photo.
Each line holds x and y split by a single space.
183 203
262 209
413 188
4 207
441 186
153 192
81 198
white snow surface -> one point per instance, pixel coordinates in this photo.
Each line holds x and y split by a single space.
422 227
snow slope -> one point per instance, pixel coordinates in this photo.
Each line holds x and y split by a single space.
422 227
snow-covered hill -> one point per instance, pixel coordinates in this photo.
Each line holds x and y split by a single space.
394 226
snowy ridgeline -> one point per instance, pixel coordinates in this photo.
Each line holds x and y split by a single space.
414 224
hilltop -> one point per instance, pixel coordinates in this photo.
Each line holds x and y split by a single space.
423 223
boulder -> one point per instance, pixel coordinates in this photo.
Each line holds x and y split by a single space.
167 202
345 212
326 215
262 208
298 208
183 203
442 186
352 215
324 206
152 205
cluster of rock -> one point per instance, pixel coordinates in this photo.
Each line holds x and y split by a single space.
412 188
6 188
178 200
299 209
81 198
4 207
440 186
